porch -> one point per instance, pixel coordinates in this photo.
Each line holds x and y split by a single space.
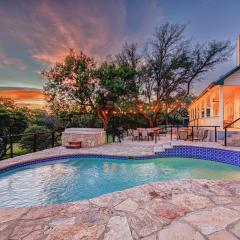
217 106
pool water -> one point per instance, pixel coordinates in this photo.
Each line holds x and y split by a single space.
76 179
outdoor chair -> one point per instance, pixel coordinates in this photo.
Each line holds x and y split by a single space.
202 135
129 132
135 135
162 132
183 135
150 133
196 134
144 135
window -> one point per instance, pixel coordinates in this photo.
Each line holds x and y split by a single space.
208 113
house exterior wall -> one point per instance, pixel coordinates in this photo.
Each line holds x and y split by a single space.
233 80
205 110
219 104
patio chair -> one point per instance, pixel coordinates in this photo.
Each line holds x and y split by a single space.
150 133
183 135
144 135
197 133
162 131
203 135
130 132
135 135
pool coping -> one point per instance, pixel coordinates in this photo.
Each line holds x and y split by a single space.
164 154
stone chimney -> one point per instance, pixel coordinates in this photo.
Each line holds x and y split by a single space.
238 50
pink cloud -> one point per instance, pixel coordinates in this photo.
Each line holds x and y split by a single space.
47 29
50 32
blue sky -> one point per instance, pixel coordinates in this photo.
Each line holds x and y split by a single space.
35 34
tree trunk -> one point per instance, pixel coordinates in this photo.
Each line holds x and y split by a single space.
104 117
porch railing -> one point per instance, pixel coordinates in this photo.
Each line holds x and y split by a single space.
178 127
226 128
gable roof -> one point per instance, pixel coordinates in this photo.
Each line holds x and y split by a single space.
220 81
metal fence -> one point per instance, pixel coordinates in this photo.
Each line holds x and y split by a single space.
10 145
191 136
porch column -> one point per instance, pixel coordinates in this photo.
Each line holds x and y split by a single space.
211 110
221 107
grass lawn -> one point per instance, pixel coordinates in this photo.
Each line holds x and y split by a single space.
17 150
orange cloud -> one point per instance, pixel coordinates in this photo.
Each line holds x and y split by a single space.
32 98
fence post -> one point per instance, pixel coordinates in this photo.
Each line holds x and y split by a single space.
177 132
192 134
215 133
225 137
155 134
171 132
11 146
34 142
53 139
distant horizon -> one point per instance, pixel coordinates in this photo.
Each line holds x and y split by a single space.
32 98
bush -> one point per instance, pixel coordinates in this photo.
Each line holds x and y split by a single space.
43 138
14 122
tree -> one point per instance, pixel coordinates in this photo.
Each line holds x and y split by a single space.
71 84
173 64
155 84
77 85
116 85
43 140
129 56
13 120
7 104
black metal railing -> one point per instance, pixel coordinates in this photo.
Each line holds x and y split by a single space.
7 143
178 127
225 130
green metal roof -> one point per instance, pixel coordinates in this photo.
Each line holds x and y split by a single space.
220 81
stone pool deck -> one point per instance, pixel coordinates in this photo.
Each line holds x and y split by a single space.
174 210
171 210
126 148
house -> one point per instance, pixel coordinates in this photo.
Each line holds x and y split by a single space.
219 103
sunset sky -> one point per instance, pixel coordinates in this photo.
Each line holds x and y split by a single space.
37 33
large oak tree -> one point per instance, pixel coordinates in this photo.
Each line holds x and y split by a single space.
78 84
172 64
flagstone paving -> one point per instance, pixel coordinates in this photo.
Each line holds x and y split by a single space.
171 210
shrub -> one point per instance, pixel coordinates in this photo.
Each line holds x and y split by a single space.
43 138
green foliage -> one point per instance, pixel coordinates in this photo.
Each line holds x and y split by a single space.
128 121
12 122
79 120
157 83
43 138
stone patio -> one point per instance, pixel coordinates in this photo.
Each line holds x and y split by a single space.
172 210
184 210
126 148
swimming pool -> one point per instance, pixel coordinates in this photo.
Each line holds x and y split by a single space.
74 179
